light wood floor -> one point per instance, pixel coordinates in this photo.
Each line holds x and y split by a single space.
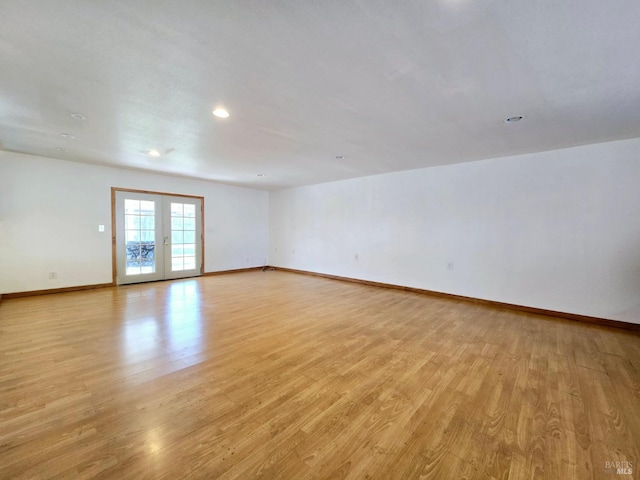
278 375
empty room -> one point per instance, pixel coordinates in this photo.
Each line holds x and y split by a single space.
319 239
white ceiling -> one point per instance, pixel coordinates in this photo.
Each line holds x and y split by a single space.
389 85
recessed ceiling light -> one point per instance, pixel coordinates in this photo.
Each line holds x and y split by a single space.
339 157
78 116
68 136
515 119
221 112
154 153
261 174
60 149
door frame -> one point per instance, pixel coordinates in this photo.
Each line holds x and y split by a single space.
114 265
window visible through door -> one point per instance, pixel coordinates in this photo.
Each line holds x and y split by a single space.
183 236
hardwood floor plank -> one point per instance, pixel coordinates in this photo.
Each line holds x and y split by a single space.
279 375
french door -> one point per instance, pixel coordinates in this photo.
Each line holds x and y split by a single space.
158 236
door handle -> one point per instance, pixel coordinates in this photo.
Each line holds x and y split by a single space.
166 240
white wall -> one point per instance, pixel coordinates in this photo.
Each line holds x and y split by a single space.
50 211
558 230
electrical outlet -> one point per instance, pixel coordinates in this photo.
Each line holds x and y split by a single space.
101 228
450 266
356 256
53 275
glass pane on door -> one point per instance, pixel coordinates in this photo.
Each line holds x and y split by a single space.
183 236
139 235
